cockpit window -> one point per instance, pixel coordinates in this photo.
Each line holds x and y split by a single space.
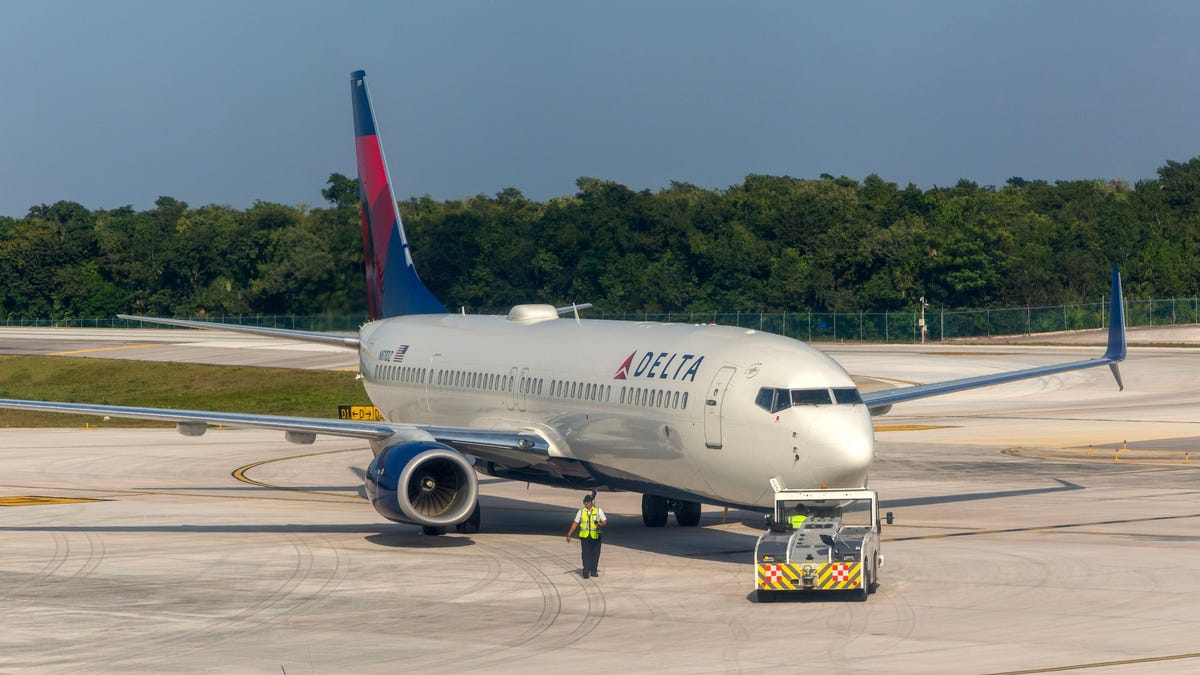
811 397
847 395
774 399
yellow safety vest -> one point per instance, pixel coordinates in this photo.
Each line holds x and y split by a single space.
588 527
798 519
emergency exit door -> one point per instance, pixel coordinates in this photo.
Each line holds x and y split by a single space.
713 400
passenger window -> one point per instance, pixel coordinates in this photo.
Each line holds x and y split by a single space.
685 400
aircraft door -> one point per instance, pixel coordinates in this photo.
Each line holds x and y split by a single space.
433 361
713 401
510 389
522 389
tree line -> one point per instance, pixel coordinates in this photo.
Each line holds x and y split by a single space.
770 243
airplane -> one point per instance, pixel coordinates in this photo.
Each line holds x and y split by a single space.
683 414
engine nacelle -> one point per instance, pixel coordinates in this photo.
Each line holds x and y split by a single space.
422 483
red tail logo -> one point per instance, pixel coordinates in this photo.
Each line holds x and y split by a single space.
623 371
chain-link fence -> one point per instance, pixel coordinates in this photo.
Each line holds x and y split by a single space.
807 326
315 322
940 324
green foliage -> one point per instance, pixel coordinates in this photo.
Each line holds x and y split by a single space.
770 243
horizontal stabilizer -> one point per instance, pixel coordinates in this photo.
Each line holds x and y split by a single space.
337 339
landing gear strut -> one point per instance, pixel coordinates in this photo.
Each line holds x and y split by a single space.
655 511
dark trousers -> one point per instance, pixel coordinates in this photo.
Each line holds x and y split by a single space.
591 554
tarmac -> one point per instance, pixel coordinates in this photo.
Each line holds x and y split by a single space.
1041 526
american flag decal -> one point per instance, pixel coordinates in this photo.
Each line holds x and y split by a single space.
398 357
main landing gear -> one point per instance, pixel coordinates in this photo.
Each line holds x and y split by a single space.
655 510
468 526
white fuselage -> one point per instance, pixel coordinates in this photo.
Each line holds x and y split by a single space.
629 403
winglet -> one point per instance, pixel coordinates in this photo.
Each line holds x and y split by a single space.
393 287
1116 329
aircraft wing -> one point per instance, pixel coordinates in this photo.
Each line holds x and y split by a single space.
338 339
509 447
880 402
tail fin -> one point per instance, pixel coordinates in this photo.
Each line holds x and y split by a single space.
393 287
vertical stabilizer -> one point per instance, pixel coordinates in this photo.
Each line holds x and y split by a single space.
393 287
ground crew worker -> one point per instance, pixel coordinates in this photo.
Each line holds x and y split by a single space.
798 518
589 520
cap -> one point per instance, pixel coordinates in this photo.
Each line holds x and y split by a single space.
587 499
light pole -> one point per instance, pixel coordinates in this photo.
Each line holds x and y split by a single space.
924 328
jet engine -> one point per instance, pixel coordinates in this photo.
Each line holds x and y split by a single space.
423 483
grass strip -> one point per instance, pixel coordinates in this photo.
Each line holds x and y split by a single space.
246 389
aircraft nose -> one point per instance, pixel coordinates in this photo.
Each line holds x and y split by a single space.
848 449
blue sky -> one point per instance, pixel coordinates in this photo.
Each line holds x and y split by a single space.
118 102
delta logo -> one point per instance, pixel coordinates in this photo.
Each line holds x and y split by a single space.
660 366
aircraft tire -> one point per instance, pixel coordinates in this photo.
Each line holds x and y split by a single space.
688 514
654 511
471 524
432 530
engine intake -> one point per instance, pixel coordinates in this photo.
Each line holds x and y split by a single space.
423 483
